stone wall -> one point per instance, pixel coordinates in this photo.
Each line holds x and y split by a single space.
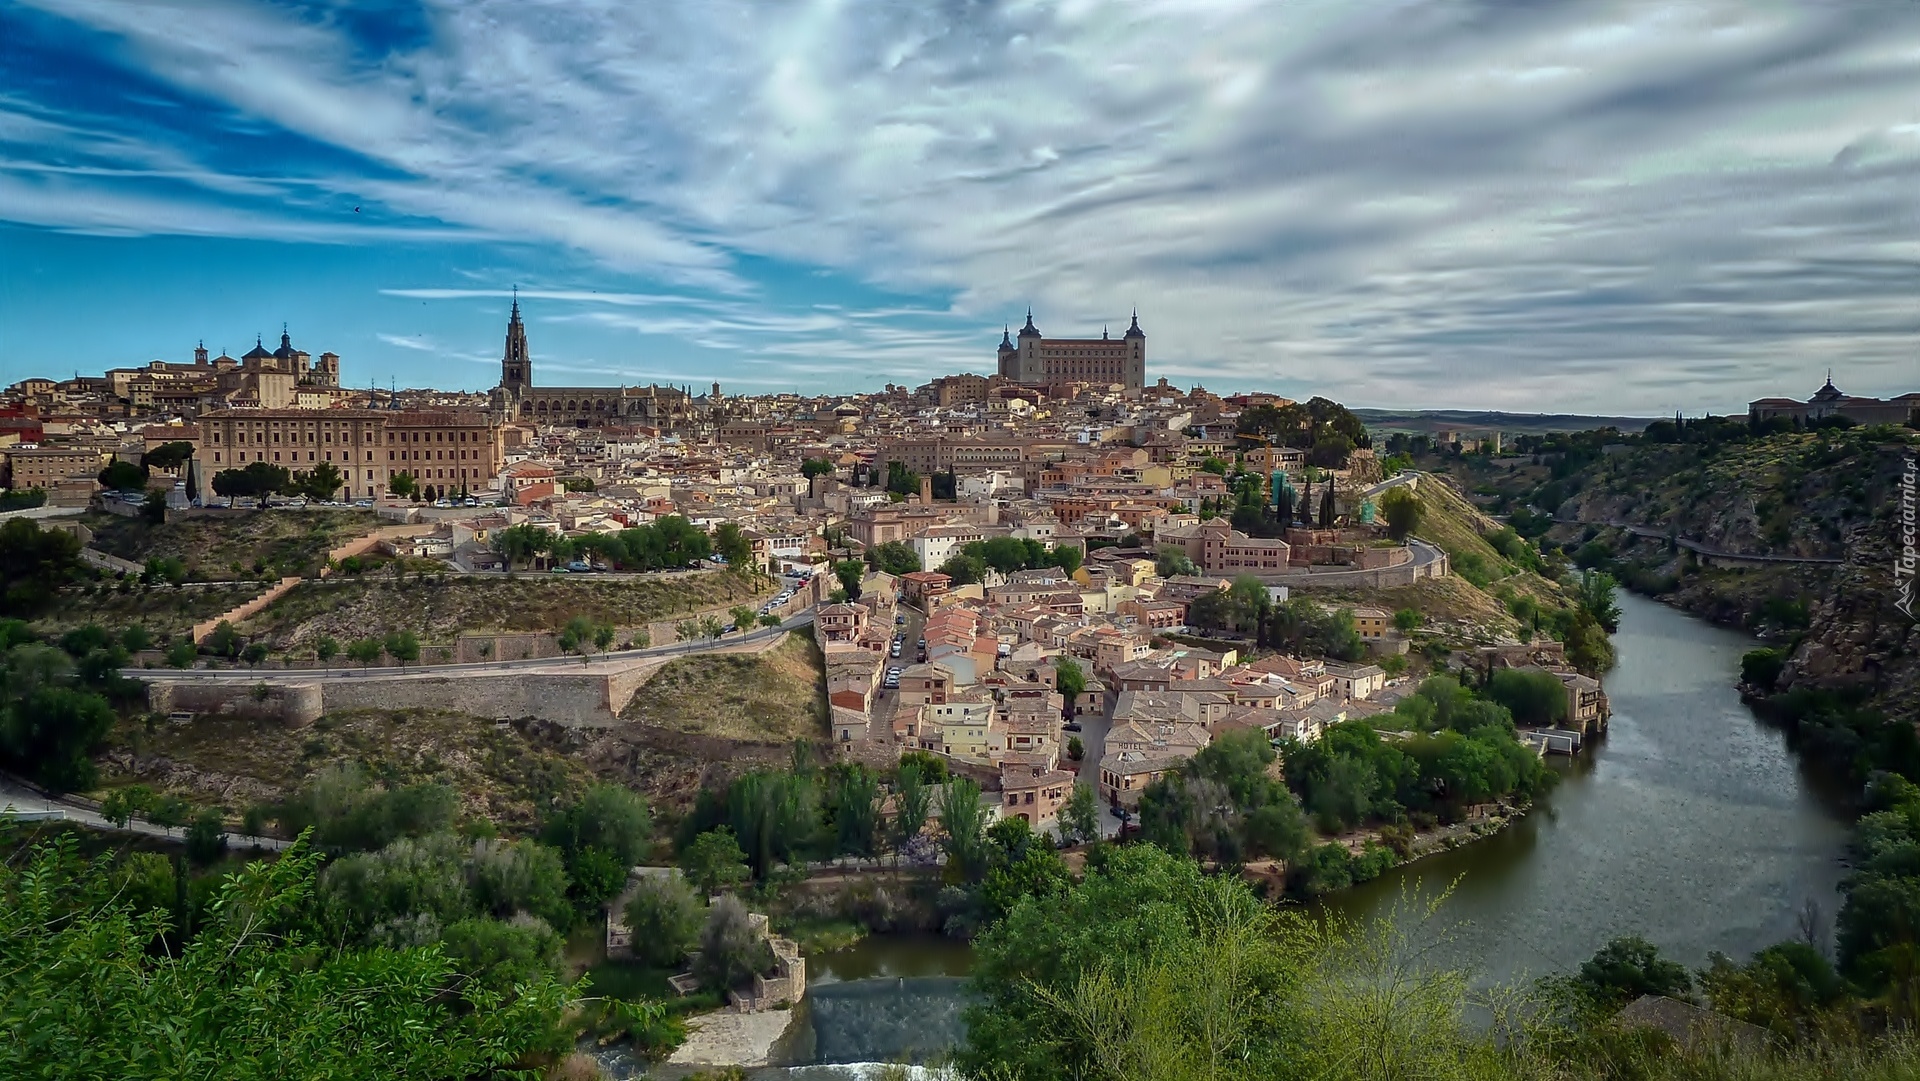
575 699
236 614
294 704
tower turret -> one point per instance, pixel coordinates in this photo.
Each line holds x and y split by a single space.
516 367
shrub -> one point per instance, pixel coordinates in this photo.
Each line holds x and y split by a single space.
664 915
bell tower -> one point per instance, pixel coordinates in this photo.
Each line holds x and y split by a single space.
516 368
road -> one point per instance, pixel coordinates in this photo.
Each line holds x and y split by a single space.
16 798
1703 550
885 702
432 671
1093 738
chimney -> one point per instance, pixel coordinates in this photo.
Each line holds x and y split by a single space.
926 491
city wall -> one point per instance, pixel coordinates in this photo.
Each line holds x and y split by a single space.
294 704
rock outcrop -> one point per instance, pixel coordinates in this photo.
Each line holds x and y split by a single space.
1857 640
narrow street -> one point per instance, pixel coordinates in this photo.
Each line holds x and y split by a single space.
886 701
1093 737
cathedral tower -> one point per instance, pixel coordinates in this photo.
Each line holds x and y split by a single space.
516 368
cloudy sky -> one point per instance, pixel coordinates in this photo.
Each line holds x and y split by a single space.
1525 205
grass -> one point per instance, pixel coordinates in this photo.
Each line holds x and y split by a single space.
499 773
772 697
228 545
1439 600
440 610
162 610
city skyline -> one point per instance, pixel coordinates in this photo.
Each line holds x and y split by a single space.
1625 209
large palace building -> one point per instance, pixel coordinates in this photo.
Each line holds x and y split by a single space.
586 406
1040 361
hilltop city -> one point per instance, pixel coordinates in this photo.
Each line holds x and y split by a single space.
1079 606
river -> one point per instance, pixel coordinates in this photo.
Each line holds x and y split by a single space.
1690 824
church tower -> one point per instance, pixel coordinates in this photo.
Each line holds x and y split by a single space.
516 368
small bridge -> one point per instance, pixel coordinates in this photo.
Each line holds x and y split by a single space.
1709 554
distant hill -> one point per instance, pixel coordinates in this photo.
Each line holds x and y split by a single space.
1430 421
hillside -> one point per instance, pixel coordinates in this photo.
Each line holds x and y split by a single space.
1825 494
777 696
1431 421
1502 589
500 772
221 545
162 609
439 609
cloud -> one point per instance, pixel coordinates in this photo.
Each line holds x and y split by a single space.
1604 206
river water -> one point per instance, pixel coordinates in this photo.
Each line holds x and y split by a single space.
1690 824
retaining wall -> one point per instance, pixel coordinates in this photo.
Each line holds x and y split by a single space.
294 704
575 699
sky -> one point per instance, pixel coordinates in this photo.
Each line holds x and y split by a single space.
1525 205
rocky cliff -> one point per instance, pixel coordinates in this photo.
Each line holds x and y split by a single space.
1832 494
1857 640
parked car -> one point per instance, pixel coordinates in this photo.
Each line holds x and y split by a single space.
895 651
579 567
899 621
1071 726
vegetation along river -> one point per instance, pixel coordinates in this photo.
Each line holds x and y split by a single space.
1691 824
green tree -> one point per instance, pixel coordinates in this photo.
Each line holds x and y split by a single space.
1145 969
1761 668
607 817
206 838
402 646
501 955
714 862
733 545
168 456
912 803
242 998
731 952
1171 561
963 823
665 917
404 484
1400 508
850 572
168 812
1080 815
1628 967
520 543
49 733
122 805
123 476
182 653
325 649
816 467
321 482
577 637
1406 620
894 557
1071 680
223 640
854 806
365 651
1596 598
1534 696
744 617
254 654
